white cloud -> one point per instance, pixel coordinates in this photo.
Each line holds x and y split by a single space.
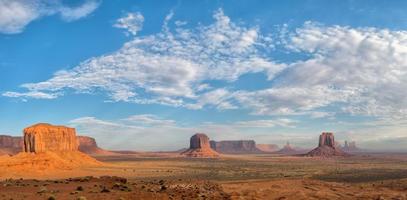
133 22
71 14
266 123
16 14
290 100
35 95
148 120
171 66
369 63
357 71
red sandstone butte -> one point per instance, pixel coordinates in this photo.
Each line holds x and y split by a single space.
46 137
200 147
326 147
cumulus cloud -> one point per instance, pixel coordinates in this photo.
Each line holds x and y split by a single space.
354 71
366 67
133 22
16 14
171 66
35 95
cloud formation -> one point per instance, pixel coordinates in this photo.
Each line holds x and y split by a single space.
133 22
353 71
170 67
15 15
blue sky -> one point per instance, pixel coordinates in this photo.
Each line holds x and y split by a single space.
145 75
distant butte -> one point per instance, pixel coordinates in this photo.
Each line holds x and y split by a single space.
287 149
200 147
235 146
326 147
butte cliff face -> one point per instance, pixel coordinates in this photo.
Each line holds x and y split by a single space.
200 147
88 145
45 137
10 145
326 147
235 146
47 147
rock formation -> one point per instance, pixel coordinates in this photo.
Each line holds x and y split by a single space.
350 147
47 147
88 145
45 137
200 147
267 147
235 146
10 145
326 147
287 149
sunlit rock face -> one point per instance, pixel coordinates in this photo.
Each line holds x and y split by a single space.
46 137
200 147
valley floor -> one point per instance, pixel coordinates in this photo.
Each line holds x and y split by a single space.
263 176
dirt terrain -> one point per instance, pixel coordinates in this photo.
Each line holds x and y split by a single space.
261 176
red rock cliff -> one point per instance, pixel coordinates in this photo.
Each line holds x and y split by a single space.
200 147
326 147
88 145
10 145
46 137
235 146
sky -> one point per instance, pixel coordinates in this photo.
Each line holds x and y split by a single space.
147 74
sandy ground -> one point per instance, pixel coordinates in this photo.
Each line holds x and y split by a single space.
379 176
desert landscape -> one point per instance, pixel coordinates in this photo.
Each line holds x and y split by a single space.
203 100
54 163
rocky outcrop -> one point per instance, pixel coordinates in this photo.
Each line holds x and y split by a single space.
10 145
47 147
326 147
235 146
350 147
45 137
200 147
287 150
88 145
269 148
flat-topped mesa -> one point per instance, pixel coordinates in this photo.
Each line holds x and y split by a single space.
10 145
235 146
46 137
200 147
88 145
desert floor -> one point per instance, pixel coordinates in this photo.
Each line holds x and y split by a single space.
167 176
